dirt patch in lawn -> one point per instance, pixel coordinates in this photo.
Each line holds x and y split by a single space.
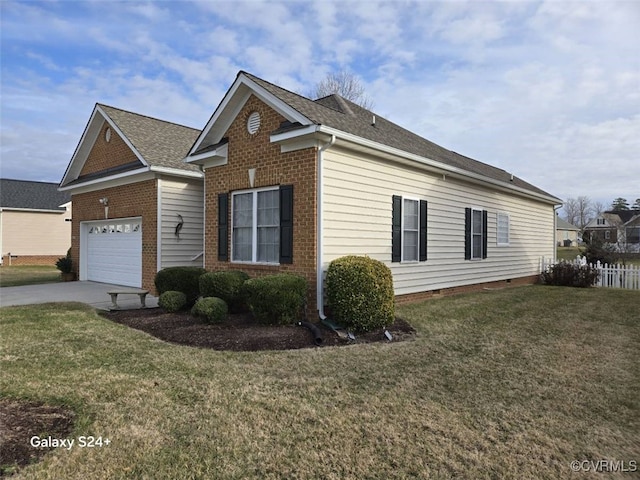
19 423
240 332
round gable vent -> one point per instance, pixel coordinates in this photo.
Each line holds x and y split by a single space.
253 123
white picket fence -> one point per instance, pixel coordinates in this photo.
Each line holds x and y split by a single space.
611 276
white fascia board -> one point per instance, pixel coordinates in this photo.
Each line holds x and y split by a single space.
123 136
289 137
176 172
458 172
124 178
87 141
90 133
233 102
217 155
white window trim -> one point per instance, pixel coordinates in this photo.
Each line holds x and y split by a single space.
254 226
482 234
402 259
508 242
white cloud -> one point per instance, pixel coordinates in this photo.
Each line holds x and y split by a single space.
548 90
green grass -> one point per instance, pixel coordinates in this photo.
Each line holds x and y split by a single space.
568 253
514 383
14 275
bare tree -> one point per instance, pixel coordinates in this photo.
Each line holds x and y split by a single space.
598 208
345 84
578 211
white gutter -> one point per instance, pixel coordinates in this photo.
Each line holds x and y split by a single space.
396 152
319 240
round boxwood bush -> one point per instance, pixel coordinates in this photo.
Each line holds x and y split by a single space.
277 299
227 285
360 293
172 301
213 309
181 279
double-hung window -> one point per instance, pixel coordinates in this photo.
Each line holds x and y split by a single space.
475 234
408 230
256 226
502 233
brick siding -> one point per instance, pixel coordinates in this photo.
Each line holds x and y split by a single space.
134 200
273 168
30 259
476 287
105 154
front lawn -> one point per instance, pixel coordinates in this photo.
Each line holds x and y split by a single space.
514 383
14 275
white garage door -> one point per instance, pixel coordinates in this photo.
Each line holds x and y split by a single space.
114 251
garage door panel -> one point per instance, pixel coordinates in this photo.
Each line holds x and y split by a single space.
114 252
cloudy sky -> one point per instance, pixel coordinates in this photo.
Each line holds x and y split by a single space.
547 90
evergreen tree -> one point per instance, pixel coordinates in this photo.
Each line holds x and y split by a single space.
620 204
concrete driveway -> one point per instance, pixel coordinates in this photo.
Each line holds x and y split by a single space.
91 293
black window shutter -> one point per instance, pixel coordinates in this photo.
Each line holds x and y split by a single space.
396 229
423 230
484 234
223 227
467 234
286 224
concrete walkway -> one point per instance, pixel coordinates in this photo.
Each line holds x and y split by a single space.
91 293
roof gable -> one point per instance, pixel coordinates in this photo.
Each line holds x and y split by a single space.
562 224
154 142
25 194
342 115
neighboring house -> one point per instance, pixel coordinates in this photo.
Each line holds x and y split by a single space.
137 207
621 227
566 233
292 184
35 226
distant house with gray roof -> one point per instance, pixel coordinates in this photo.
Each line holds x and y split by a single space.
567 234
35 223
286 184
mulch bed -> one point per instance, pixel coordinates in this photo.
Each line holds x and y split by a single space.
241 332
19 421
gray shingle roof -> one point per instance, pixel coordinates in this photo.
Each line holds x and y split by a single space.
561 223
161 143
339 113
31 195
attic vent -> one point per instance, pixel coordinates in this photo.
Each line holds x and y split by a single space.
107 134
253 123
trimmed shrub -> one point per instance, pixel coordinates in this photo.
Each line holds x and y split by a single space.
567 274
172 301
277 299
213 309
227 285
360 293
181 279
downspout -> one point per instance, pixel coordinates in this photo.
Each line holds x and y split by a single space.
555 232
319 226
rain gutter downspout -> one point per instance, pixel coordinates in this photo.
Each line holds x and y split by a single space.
319 226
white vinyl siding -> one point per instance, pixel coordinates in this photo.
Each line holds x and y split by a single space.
358 211
502 220
181 199
255 231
